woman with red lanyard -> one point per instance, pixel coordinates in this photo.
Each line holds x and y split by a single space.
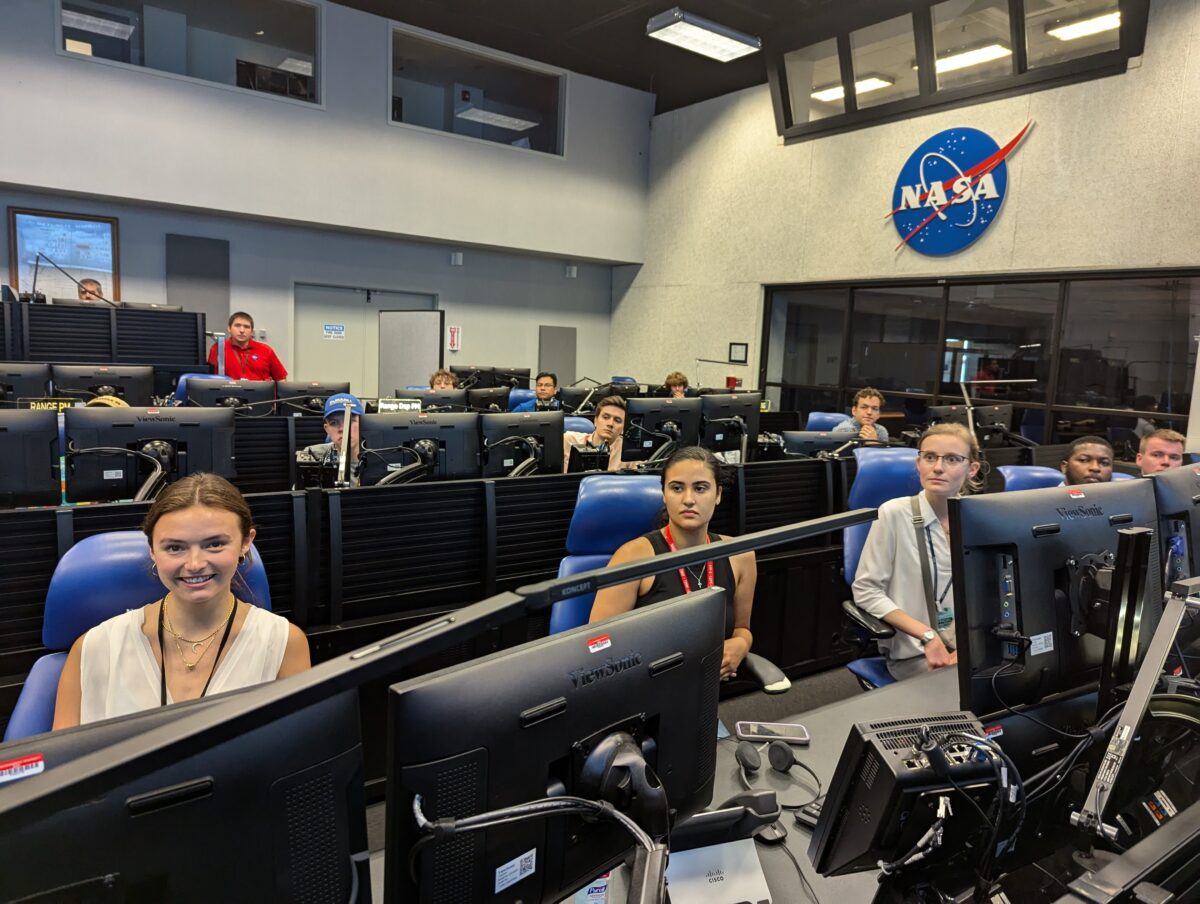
691 481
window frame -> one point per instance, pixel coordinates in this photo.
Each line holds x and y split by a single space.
319 56
487 53
1134 17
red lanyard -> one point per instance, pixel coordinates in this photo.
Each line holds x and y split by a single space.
683 577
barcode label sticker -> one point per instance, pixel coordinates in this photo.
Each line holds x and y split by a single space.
114 475
21 767
515 870
1041 643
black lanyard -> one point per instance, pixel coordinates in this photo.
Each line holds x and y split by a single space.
162 695
933 556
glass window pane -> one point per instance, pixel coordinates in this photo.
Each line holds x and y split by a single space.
805 339
1000 332
814 80
456 90
1127 344
268 45
893 339
884 58
1068 29
971 42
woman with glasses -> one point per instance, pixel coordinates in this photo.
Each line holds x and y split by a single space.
892 583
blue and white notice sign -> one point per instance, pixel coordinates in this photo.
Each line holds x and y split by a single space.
335 331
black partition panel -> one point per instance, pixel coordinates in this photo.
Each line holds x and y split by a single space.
532 518
28 554
101 333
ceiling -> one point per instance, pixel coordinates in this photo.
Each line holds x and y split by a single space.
607 39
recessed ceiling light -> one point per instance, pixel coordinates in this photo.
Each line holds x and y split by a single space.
488 118
702 36
976 57
837 92
1082 28
96 25
260 32
73 46
300 67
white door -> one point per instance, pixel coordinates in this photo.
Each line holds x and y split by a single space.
337 332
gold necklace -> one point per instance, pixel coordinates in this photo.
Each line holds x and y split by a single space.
198 646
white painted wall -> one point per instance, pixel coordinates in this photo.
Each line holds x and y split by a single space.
1100 182
498 298
159 139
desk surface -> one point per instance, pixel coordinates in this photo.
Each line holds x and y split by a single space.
923 695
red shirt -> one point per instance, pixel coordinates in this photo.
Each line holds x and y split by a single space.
257 361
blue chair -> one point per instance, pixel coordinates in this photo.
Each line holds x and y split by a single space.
623 380
611 510
181 397
421 386
883 474
583 425
100 576
824 421
519 396
1029 477
1120 475
1034 430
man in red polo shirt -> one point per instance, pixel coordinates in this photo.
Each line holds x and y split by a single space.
245 357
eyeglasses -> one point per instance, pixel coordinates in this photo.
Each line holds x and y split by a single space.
950 459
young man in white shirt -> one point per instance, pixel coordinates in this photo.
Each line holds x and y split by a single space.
610 428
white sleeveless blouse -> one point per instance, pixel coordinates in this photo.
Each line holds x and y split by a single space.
120 675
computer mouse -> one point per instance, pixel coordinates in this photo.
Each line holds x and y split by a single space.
773 833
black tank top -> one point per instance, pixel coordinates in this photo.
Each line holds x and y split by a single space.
668 585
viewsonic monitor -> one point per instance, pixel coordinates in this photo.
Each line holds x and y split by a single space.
573 397
510 440
272 813
1031 560
810 442
651 423
184 440
1177 495
22 381
29 457
304 397
542 716
494 399
446 444
514 377
986 417
450 399
254 398
133 384
726 418
472 377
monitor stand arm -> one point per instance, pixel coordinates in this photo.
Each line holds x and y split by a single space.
1184 597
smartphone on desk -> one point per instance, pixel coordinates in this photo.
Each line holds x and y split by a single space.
773 731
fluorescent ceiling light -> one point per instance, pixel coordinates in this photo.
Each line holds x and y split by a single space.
488 118
96 25
702 36
300 67
73 46
975 57
1082 28
837 92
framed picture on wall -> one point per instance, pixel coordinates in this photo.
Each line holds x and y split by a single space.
739 352
84 246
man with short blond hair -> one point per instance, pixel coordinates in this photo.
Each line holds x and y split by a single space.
1160 451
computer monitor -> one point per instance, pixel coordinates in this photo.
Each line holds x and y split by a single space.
451 399
652 423
493 399
183 440
472 377
149 306
514 377
530 442
727 418
134 384
304 397
624 390
1177 494
19 380
444 446
29 453
992 422
810 442
543 716
271 812
6 293
575 397
1033 561
248 397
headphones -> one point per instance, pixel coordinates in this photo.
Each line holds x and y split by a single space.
782 759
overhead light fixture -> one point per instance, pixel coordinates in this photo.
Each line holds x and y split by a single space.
96 25
837 92
1082 28
968 58
260 32
488 118
702 36
300 67
73 46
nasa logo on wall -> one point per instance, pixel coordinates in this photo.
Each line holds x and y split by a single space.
950 190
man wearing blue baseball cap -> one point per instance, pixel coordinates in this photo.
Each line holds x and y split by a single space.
328 453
